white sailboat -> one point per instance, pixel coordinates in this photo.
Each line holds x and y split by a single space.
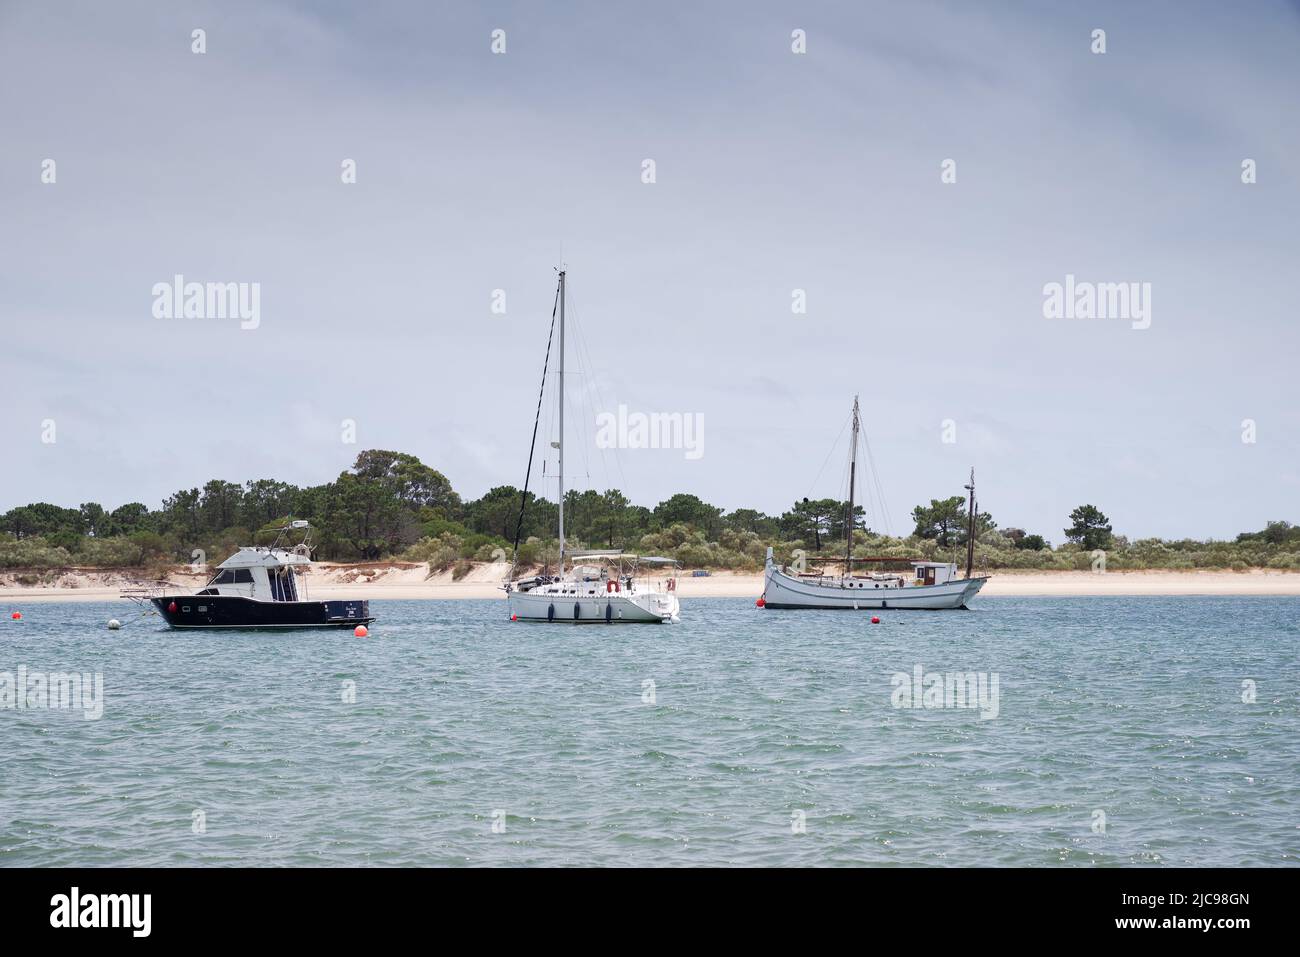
599 588
602 587
930 586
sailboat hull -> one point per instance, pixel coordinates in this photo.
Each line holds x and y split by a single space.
594 608
785 591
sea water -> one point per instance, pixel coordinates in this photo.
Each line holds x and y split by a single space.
1109 731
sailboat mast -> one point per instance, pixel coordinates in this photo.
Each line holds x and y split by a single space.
853 475
970 530
561 569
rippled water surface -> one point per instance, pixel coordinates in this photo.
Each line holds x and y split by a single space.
1122 712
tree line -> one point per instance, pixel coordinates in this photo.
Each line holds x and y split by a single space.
390 505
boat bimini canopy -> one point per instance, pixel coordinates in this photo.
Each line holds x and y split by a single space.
275 555
598 555
259 556
618 557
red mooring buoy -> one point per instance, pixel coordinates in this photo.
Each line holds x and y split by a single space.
875 620
761 603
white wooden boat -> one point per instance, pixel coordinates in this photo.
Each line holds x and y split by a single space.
930 586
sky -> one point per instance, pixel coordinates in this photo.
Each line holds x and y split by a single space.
774 171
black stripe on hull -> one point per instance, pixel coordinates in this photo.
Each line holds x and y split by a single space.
232 611
596 621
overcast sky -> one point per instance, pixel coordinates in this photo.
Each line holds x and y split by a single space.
775 171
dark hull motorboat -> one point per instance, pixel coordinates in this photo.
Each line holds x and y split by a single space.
257 587
232 611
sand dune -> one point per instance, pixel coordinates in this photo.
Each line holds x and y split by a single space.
395 580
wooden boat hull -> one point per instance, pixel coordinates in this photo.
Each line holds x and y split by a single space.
786 591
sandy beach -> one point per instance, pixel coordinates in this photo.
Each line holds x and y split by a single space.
402 580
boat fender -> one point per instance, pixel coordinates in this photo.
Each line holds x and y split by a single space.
550 613
672 584
609 612
577 610
609 586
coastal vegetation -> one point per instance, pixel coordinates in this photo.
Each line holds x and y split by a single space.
391 506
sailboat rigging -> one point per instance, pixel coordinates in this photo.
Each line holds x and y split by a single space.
532 447
599 586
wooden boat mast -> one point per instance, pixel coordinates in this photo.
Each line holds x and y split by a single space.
970 530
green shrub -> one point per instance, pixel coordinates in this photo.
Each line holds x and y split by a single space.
441 552
33 552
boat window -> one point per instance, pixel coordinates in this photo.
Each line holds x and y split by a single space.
232 576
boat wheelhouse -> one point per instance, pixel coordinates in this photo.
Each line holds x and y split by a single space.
257 587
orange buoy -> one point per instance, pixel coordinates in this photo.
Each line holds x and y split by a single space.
875 620
361 631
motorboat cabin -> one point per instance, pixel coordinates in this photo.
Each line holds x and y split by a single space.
263 574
